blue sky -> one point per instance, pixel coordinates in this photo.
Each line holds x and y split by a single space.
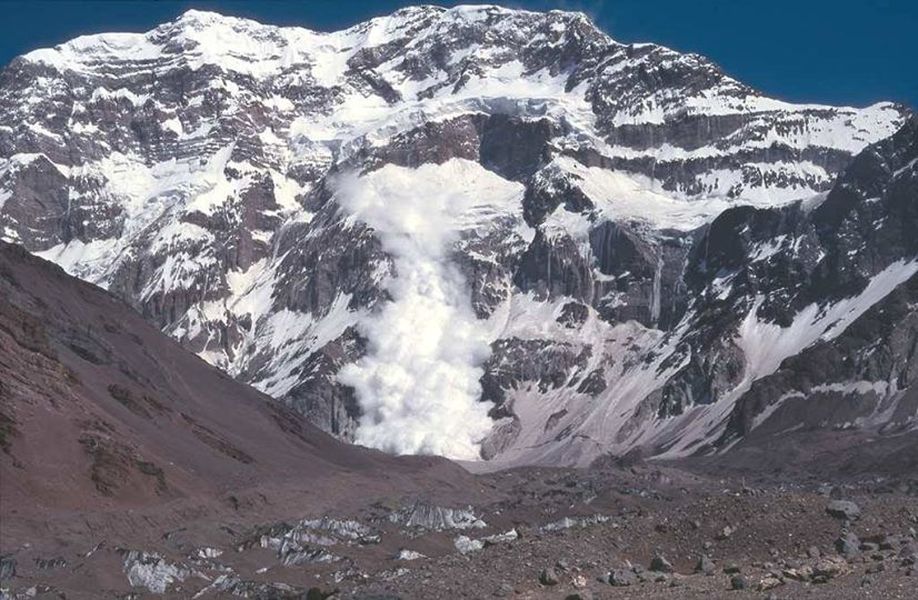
851 52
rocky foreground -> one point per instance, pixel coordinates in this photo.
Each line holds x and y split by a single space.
643 531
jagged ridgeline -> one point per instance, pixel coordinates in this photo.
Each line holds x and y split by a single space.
479 231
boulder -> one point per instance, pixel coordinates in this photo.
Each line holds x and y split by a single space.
659 564
315 593
804 573
705 566
769 582
844 509
848 545
622 578
7 567
548 576
828 568
731 568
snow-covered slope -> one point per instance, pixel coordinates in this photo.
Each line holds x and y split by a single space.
445 230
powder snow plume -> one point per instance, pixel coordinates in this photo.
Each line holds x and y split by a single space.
418 385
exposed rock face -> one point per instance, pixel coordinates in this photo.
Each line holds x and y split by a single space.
854 376
662 239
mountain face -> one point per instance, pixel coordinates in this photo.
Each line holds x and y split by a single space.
478 231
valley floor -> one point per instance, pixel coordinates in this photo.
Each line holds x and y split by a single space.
533 533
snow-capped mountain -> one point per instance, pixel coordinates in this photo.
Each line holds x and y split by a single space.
479 231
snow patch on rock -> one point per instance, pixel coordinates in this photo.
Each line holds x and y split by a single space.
151 571
436 518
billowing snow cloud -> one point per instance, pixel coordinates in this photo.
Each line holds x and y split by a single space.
418 385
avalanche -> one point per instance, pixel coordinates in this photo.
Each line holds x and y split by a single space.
419 384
